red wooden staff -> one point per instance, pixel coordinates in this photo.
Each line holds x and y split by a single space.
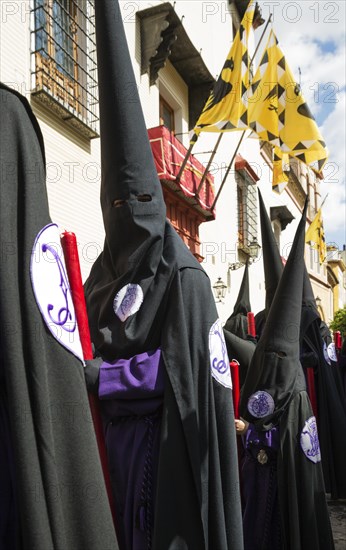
251 329
310 382
337 341
236 386
69 246
251 326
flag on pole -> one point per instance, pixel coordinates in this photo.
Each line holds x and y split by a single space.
278 113
315 236
281 168
226 107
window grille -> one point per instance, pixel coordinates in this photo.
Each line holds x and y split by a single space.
64 69
246 210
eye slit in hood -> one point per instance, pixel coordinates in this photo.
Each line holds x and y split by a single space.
144 198
118 202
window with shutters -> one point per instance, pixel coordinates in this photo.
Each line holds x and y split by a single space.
64 70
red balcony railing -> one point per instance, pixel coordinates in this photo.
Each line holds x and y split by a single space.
169 154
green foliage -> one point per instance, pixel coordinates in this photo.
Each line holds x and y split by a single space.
339 322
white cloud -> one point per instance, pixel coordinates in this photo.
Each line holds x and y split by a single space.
334 210
322 20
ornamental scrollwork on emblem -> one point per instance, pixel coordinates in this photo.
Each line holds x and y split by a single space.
309 440
63 316
219 361
129 300
261 404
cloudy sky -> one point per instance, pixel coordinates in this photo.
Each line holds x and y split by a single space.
311 34
316 44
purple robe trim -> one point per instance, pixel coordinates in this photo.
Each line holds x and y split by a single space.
131 397
270 438
136 378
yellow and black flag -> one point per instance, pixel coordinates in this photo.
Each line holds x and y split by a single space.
226 107
278 113
315 236
281 168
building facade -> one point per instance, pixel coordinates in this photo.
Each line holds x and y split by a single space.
48 53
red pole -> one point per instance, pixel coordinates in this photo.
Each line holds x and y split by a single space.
69 246
251 327
310 375
337 341
236 386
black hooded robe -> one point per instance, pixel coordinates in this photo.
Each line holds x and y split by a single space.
198 422
331 405
197 503
274 397
57 482
147 294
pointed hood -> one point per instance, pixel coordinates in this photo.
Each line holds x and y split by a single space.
125 291
272 261
309 307
275 375
308 295
242 304
131 192
237 322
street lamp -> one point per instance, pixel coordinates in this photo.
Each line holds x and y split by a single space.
253 251
219 289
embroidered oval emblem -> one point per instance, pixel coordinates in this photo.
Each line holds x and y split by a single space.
325 353
309 440
52 289
128 301
332 352
219 361
260 404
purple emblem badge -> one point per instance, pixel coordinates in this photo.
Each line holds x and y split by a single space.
219 361
52 290
260 404
309 440
128 301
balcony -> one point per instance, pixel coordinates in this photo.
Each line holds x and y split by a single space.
169 154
